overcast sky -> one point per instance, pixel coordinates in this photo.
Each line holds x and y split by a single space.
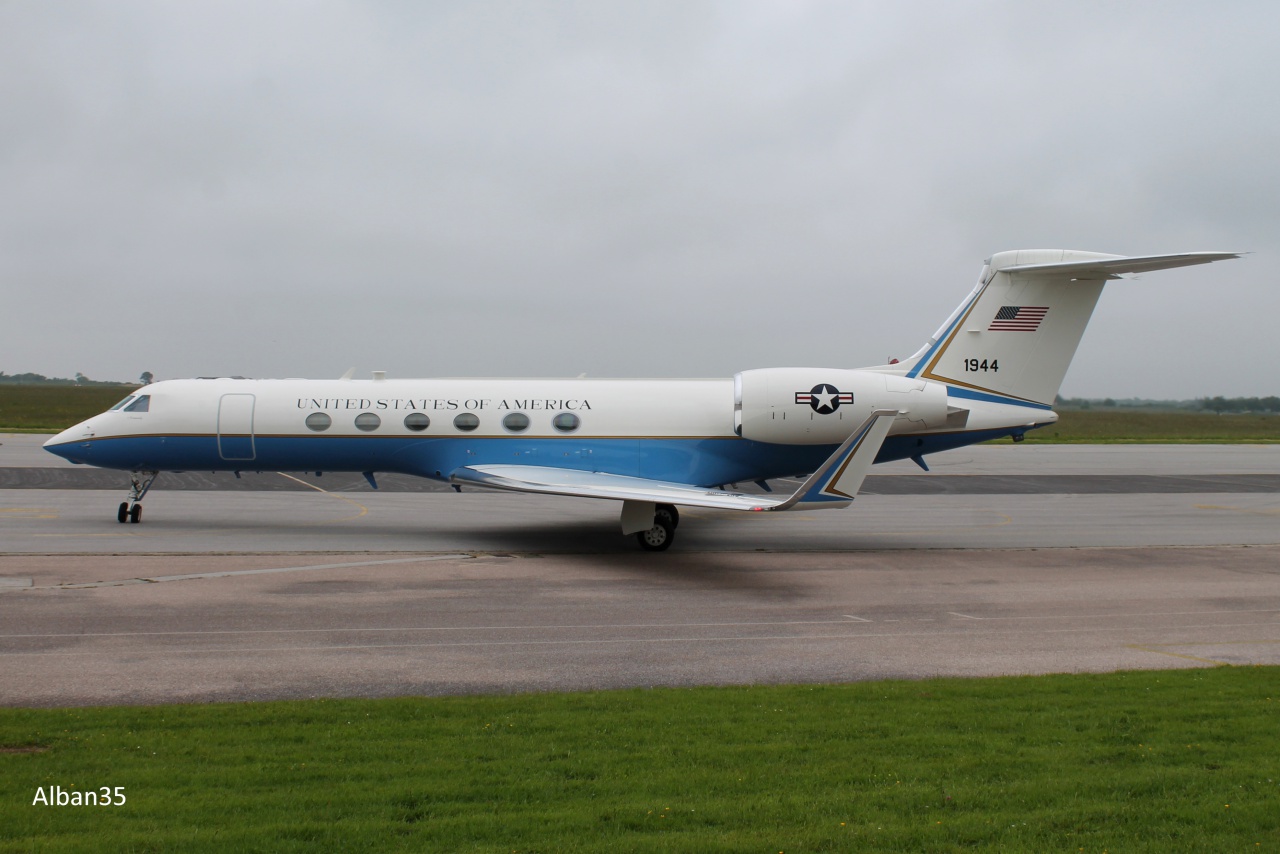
625 189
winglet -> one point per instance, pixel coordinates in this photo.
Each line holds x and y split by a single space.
837 481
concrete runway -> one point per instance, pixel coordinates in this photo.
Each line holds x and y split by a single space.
261 593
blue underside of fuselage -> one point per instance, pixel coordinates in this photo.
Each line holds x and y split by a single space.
704 462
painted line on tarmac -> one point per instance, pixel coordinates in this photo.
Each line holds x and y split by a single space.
1249 511
222 650
372 629
363 510
1152 648
1121 614
1158 648
29 512
132 533
158 579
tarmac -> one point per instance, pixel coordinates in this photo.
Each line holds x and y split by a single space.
1004 560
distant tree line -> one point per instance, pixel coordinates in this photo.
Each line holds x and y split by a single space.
1239 404
1217 404
41 379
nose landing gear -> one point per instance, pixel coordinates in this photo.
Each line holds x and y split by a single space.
128 513
130 510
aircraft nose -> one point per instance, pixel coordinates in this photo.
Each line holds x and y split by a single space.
72 444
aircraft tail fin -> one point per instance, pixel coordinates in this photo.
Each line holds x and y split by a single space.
1015 335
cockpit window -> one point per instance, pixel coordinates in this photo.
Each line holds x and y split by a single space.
122 403
142 404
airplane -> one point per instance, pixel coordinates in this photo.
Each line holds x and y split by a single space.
992 370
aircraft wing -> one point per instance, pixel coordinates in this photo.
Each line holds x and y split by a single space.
1114 268
593 484
834 484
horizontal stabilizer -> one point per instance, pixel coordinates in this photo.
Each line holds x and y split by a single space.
834 484
1119 265
1013 338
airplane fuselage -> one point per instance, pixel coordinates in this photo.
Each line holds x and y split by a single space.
697 431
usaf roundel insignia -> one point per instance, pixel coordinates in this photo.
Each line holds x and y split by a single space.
824 398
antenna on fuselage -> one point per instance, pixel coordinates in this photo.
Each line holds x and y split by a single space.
351 372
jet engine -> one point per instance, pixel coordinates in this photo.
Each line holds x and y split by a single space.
822 406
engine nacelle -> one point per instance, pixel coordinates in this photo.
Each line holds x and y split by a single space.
822 406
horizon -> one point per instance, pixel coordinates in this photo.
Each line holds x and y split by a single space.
6 378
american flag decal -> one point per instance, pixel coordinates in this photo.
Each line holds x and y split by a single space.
1018 318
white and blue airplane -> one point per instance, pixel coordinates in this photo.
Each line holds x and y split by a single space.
992 369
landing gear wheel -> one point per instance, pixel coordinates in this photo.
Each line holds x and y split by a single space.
659 537
140 482
670 511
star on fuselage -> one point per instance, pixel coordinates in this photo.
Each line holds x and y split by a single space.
824 399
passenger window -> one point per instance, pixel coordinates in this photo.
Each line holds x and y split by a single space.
318 421
122 403
566 422
142 404
417 421
516 422
466 421
368 422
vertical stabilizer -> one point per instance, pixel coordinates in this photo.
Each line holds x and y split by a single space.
1015 335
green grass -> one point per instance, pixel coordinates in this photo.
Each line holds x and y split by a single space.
51 408
1160 761
1098 426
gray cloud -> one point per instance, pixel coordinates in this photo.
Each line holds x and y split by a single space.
633 189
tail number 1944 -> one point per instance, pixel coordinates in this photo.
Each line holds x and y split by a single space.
982 365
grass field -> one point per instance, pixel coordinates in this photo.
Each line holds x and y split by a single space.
1144 761
1100 425
48 409
51 408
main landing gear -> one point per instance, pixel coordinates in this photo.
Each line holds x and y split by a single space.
130 510
666 518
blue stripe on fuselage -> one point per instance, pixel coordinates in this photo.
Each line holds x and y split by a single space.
708 461
705 462
945 336
991 397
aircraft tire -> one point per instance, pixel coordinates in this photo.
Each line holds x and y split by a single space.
659 537
672 514
122 514
135 513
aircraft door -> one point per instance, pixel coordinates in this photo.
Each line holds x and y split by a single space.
235 427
